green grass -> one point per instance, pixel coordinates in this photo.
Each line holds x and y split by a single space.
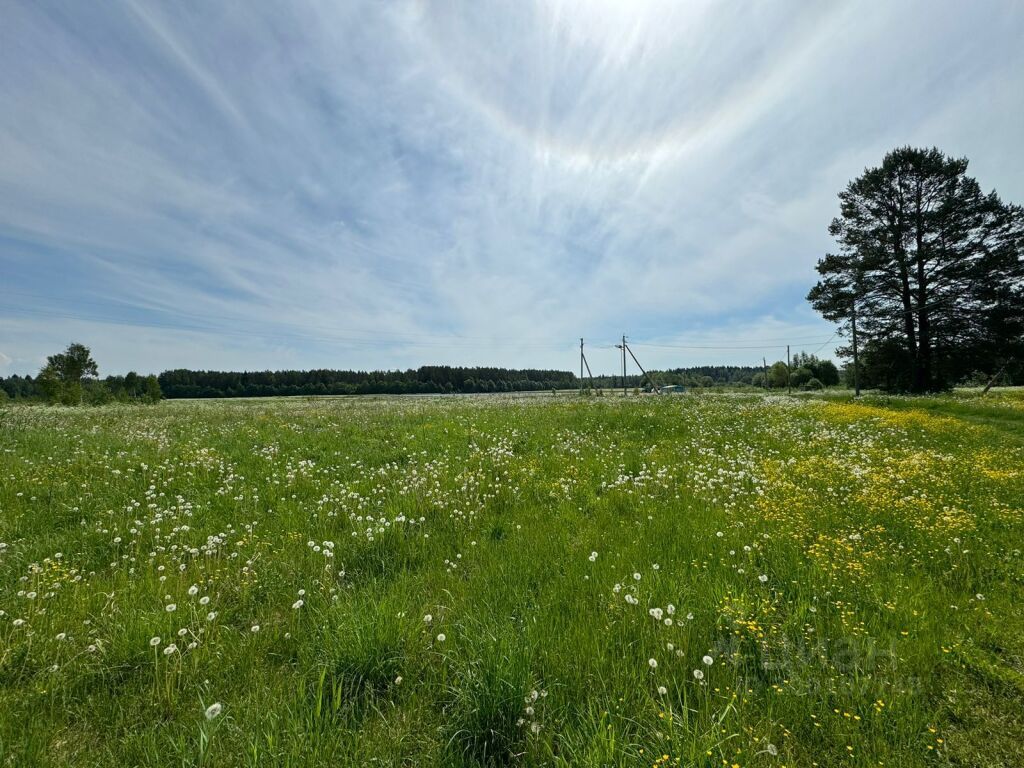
853 570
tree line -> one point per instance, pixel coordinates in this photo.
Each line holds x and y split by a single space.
71 377
438 379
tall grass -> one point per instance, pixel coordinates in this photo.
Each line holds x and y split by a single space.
712 580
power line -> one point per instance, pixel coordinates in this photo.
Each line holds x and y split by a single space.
719 347
826 342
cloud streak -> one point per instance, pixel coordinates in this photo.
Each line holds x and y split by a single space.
387 185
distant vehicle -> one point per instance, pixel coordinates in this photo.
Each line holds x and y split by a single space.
672 389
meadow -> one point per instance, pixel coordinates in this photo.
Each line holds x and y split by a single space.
710 580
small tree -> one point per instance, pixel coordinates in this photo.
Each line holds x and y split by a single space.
61 378
778 375
801 376
153 393
827 373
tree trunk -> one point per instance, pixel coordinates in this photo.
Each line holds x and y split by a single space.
924 351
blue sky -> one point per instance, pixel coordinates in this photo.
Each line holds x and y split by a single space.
241 185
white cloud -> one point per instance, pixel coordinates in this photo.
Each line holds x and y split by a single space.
364 184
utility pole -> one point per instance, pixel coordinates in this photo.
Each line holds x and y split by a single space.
590 375
856 365
581 365
622 346
764 362
789 375
645 373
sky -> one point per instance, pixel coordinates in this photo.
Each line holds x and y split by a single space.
367 185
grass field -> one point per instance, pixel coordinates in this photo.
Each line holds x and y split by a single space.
699 580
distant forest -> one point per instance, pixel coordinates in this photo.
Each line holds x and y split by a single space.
806 372
433 379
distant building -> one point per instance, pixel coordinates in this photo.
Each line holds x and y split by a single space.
672 389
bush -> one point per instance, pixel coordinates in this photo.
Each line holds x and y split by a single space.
801 376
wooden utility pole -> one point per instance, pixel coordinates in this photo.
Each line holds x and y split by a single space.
764 362
624 393
789 375
645 373
994 377
581 366
856 363
590 375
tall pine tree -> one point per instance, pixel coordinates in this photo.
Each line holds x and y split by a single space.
933 268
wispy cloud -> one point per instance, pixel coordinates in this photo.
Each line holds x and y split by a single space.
371 184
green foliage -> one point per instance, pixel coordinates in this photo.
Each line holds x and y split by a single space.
933 268
425 380
823 370
61 379
778 375
410 581
800 376
152 393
